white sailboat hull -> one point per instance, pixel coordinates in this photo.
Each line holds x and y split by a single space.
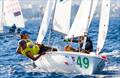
70 62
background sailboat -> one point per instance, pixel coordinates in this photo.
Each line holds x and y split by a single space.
74 62
11 14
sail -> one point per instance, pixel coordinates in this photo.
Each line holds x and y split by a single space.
61 22
104 20
91 13
80 23
13 13
45 21
1 16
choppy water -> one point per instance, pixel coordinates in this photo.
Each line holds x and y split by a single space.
13 65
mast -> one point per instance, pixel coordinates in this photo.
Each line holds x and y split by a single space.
45 21
49 36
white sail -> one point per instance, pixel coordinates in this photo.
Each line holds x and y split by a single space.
1 16
13 13
61 22
45 21
104 20
91 13
80 23
93 8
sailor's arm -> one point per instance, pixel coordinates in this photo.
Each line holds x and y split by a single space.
18 50
32 57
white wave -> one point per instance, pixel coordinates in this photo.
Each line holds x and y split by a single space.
113 53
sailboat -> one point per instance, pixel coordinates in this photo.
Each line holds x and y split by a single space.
73 62
11 14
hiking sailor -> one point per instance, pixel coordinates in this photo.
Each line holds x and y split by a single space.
27 48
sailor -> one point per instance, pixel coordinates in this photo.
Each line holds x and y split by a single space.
88 45
12 29
69 48
18 31
27 48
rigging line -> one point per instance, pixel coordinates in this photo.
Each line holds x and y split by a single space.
97 48
50 33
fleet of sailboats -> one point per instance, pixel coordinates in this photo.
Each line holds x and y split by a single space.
73 62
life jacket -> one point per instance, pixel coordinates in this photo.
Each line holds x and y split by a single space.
31 47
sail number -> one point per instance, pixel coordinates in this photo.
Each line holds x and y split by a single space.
83 62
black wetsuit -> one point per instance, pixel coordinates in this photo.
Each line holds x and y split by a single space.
89 45
18 30
12 29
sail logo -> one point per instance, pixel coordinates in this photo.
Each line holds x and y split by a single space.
61 0
17 13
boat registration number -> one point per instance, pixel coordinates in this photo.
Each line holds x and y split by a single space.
83 62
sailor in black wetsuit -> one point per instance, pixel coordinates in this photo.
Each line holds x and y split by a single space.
88 45
18 31
12 29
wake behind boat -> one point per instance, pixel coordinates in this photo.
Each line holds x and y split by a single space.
73 62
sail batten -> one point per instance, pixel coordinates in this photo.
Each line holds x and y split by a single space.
103 25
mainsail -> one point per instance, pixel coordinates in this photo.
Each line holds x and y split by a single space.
13 13
80 23
92 11
61 22
45 21
103 26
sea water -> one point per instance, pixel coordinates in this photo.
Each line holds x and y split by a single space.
13 65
